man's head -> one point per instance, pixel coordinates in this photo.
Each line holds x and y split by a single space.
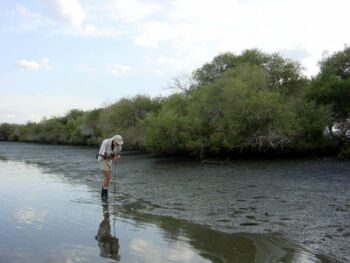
118 140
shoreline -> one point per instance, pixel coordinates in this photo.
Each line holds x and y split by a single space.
221 157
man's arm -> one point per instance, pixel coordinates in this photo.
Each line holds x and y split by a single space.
110 157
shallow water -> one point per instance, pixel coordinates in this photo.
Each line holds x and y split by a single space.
169 210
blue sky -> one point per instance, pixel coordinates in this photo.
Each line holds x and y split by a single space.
58 55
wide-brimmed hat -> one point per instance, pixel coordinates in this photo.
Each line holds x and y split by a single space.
119 139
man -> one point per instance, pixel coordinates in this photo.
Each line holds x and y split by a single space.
110 150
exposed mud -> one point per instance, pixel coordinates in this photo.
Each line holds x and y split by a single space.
302 200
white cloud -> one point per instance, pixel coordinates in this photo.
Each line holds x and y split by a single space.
119 69
28 216
69 11
181 254
91 29
213 13
70 254
181 27
96 21
152 33
198 30
133 11
28 64
34 64
30 20
152 252
139 245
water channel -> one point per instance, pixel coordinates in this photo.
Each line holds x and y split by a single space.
170 209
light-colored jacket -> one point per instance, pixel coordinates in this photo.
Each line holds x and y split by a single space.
106 149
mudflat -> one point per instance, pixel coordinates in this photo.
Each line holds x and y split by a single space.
294 210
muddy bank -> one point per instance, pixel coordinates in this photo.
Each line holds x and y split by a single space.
303 200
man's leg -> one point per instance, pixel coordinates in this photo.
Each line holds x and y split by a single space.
106 179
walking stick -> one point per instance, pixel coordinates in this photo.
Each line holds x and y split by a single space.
114 193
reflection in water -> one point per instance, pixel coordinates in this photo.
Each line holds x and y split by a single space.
108 243
216 246
29 215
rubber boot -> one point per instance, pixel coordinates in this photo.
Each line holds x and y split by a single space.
104 192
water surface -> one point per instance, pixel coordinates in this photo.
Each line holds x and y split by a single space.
169 210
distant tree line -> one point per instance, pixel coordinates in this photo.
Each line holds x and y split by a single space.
252 103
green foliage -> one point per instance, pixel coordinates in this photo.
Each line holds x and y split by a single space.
240 112
166 131
311 122
124 117
29 132
344 152
237 111
335 93
331 87
253 57
90 127
337 64
6 130
252 102
211 71
52 131
283 75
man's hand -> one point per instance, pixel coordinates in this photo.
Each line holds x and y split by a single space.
117 157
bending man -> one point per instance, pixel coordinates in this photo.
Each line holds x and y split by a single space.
110 150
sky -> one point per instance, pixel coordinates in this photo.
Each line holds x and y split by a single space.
58 55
